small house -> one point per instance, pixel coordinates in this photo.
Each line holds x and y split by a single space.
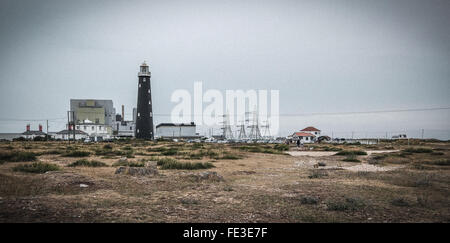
311 130
303 137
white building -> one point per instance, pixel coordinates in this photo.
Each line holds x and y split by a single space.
33 134
125 128
304 137
66 134
97 132
28 134
312 130
180 130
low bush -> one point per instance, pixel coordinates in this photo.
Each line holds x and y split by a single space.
87 163
37 167
315 174
77 153
197 146
127 148
107 146
281 147
129 163
401 202
309 200
54 151
349 204
172 164
351 152
441 162
437 153
423 181
109 152
20 156
229 156
379 156
418 150
326 148
351 158
170 152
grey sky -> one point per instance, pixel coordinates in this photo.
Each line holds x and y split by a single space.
323 56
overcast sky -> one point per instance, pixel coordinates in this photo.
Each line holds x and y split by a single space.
323 56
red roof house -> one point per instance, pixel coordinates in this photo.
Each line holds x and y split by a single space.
310 129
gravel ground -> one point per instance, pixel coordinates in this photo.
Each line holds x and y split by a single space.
371 168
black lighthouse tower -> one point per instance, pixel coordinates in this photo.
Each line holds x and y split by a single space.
144 117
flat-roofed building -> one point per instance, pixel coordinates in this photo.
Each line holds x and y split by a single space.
97 111
176 130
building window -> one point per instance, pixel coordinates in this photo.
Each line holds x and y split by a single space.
78 127
131 128
100 128
149 102
149 91
143 80
139 85
139 114
138 131
92 128
84 128
151 114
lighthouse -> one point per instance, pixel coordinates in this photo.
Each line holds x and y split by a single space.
144 116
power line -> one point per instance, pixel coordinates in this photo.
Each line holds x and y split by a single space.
343 113
44 119
368 112
282 114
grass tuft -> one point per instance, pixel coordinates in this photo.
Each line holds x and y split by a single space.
418 150
351 158
349 204
172 164
37 167
87 163
77 153
17 156
351 152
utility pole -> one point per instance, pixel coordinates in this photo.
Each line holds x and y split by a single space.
422 133
47 132
70 123
68 127
73 122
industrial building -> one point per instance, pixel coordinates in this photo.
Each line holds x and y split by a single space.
173 130
98 111
123 128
